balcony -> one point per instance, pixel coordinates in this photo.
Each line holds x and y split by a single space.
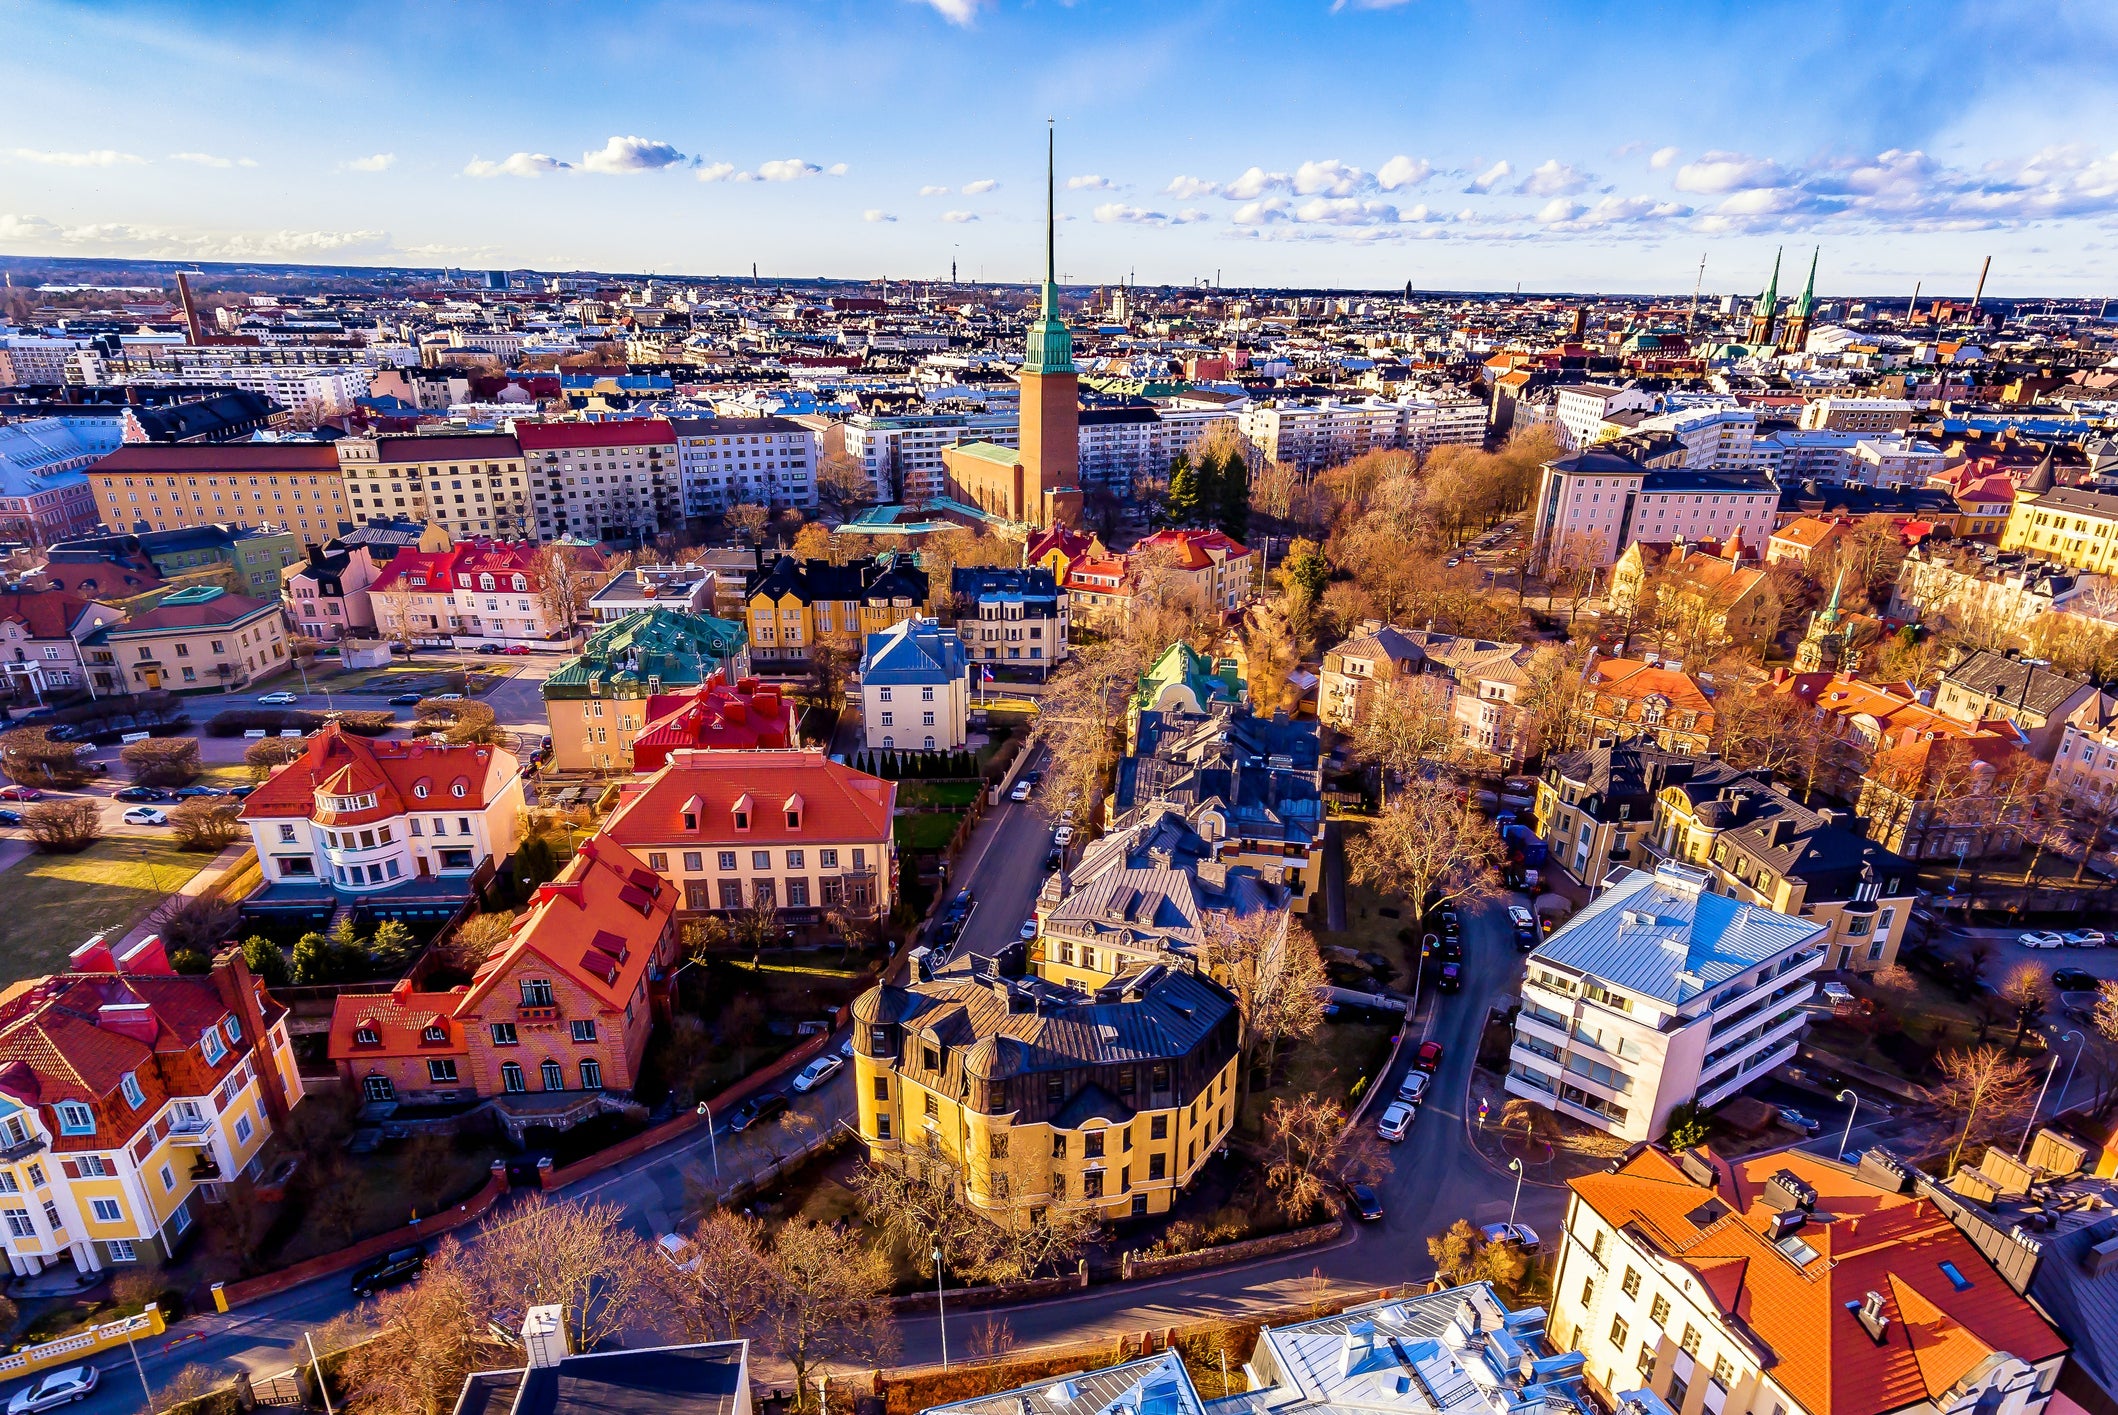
1749 1071
12 1150
1741 1054
1542 1026
538 1012
190 1130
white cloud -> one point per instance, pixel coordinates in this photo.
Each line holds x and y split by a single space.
959 217
379 162
1118 211
521 164
1401 171
787 169
100 157
1089 182
1727 172
1559 214
957 12
876 214
631 154
836 169
118 238
1663 157
1262 212
207 159
1190 188
1553 178
1490 178
1330 177
934 191
1254 184
719 172
1345 211
980 187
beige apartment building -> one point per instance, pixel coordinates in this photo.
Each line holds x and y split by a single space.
469 484
201 638
167 488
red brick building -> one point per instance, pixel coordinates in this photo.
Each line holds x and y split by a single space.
566 1004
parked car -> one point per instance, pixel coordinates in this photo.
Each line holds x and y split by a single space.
1520 1234
282 698
1063 836
2042 940
818 1071
1413 1090
55 1388
404 700
10 817
1034 775
197 793
489 648
1053 861
518 649
758 1108
20 793
1396 1119
1796 1120
1451 979
139 793
1362 1199
146 815
448 697
1029 929
1429 1056
2074 980
392 1269
239 792
1020 791
960 906
2086 938
678 1252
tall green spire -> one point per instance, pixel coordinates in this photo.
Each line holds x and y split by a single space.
1807 303
1049 348
1831 610
1770 300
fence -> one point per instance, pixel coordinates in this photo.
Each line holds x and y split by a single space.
83 1343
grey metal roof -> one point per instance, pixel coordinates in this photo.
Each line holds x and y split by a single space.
913 651
1154 1385
1150 883
1667 936
2012 683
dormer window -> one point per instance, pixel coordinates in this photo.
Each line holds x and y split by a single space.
434 1033
210 1044
793 808
459 790
743 809
75 1118
420 790
366 1036
129 1087
694 812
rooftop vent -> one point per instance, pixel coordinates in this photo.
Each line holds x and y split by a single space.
1785 1222
1699 1169
1880 1168
2101 1257
1869 1312
1787 1190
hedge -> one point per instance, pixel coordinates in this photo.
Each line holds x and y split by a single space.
236 721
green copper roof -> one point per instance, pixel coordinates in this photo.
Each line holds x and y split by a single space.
1180 663
677 648
1049 348
1770 300
1808 300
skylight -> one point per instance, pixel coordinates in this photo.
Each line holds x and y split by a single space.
1793 1246
1956 1277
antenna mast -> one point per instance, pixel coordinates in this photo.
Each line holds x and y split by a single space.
1697 284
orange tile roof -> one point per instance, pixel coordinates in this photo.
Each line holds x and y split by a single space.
599 923
1635 680
1866 1239
1808 532
405 776
837 802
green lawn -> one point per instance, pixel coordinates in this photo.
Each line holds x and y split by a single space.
1326 1064
929 831
55 902
938 793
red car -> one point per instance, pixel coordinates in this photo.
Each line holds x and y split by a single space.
1429 1056
20 793
518 648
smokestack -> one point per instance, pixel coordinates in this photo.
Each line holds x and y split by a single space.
1980 292
191 311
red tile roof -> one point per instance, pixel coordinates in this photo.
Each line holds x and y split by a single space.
837 802
618 432
1193 547
223 608
714 716
398 1020
209 457
397 771
599 922
442 569
1866 1239
46 614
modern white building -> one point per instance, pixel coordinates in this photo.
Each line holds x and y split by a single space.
1894 459
1806 454
726 462
1863 415
1717 437
914 688
1660 992
1582 409
902 455
1310 436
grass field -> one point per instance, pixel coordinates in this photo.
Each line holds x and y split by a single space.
931 831
54 902
938 793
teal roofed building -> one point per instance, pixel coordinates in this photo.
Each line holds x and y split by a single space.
597 702
1186 680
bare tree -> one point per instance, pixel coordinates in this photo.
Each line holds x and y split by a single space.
430 1335
563 585
1308 1145
579 1256
1271 966
842 484
62 827
1429 842
1404 723
475 939
206 824
829 1302
1989 1089
2027 992
747 521
724 1284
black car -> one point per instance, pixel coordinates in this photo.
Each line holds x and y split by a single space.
137 794
393 1269
489 648
239 792
960 906
198 793
750 1112
404 700
1365 1202
1451 979
1053 860
2074 980
1452 950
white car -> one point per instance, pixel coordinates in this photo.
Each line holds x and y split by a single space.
2086 938
1029 928
678 1250
1414 1089
1520 1234
279 699
1396 1120
56 1388
146 815
818 1071
2042 940
1021 792
1520 917
1063 836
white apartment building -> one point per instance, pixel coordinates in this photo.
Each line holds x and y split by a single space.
1582 408
310 395
1312 436
1894 460
470 484
26 358
613 480
1716 437
1858 414
1660 992
507 343
1798 455
903 454
725 462
1590 506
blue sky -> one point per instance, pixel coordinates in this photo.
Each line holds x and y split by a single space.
1467 144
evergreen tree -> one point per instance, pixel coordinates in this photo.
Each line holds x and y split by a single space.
312 959
1180 507
1232 511
391 946
267 964
1206 504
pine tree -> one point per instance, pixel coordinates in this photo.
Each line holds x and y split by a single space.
1181 505
267 964
1206 507
1232 511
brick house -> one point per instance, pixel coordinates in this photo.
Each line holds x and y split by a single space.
565 1005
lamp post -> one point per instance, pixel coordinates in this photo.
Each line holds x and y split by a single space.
2023 1143
941 1315
1516 1165
140 1370
713 1142
1847 1138
2067 1085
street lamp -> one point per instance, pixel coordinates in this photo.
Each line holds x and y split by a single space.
2024 1142
941 1314
1847 1138
2079 1042
713 1143
1516 1166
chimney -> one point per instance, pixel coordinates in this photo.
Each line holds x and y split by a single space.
191 310
1354 1348
544 1336
1869 1310
93 956
147 956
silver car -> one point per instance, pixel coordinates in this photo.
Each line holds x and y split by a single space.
1396 1120
55 1388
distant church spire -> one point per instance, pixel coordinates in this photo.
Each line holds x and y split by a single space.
1765 313
1794 339
1049 348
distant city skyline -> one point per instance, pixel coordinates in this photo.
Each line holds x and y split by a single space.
1362 143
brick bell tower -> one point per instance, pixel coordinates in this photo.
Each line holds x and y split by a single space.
1051 392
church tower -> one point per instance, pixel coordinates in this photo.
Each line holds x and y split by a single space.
1765 313
1820 649
1794 339
1051 387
